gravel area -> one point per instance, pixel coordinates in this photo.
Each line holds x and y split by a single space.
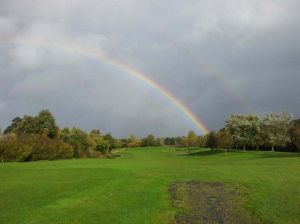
208 202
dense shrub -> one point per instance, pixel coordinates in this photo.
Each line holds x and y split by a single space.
77 138
33 147
94 154
10 148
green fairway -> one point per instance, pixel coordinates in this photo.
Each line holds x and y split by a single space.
134 188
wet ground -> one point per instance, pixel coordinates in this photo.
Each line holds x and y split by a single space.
208 202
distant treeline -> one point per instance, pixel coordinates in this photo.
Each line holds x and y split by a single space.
273 131
39 137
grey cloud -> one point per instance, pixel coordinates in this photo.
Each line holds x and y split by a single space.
218 57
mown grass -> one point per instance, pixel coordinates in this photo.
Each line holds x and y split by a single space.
134 188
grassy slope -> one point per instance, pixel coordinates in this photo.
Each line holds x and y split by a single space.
134 188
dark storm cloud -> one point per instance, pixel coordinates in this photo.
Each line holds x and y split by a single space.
218 57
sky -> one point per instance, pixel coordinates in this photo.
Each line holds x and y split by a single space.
216 57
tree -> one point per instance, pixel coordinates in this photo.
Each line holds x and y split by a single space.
192 139
149 141
95 132
256 132
77 138
92 136
14 124
295 134
180 140
111 141
133 142
43 124
201 141
224 140
245 129
212 140
64 134
46 124
28 125
118 144
169 141
276 128
102 145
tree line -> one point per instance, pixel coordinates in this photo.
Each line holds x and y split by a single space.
272 131
39 137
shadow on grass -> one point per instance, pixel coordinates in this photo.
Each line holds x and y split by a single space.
258 154
205 153
113 156
269 155
187 149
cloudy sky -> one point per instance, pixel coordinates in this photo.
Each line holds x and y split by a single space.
217 57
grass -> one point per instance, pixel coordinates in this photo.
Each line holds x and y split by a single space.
134 188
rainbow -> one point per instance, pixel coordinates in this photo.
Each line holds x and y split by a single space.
96 55
211 70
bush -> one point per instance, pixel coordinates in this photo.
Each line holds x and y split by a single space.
94 154
33 147
9 148
63 150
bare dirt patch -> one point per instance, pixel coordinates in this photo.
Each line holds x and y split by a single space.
208 202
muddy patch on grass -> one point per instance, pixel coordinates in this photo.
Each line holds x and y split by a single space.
208 202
